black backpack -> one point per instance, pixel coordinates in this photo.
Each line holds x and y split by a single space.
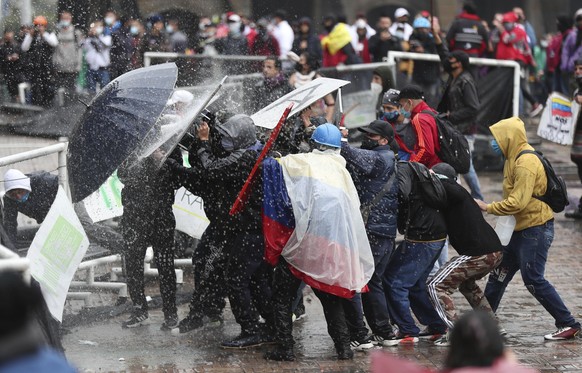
431 189
454 146
556 195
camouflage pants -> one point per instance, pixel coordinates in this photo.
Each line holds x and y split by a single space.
461 272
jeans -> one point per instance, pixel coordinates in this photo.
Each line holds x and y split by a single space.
441 260
374 301
355 318
100 76
527 252
406 277
471 177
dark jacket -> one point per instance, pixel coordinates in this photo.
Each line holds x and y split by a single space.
44 190
379 48
313 45
232 45
370 171
469 232
417 221
460 98
270 90
425 72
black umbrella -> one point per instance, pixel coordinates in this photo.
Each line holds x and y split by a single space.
115 123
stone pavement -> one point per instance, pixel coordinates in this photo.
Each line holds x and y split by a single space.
104 346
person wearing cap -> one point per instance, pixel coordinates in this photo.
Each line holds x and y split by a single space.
401 28
425 73
460 102
38 47
404 134
306 40
467 33
33 195
383 41
513 45
412 106
477 244
235 43
372 168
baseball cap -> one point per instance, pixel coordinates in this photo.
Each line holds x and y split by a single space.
15 179
412 92
391 97
379 127
509 17
233 18
180 96
401 12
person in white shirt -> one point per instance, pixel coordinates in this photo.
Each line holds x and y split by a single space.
284 34
361 21
401 28
97 48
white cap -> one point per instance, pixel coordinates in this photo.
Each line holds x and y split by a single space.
14 179
180 96
234 18
578 13
360 23
401 12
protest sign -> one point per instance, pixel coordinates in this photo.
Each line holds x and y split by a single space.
557 121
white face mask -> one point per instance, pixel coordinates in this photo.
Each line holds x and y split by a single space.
169 29
109 20
234 27
98 30
376 88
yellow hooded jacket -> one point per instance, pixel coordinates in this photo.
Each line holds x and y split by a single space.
522 178
338 38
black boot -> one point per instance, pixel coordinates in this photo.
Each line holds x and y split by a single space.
576 214
280 354
244 340
344 352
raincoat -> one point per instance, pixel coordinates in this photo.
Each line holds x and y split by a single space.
523 178
311 217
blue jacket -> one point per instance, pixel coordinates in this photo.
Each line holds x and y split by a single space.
370 170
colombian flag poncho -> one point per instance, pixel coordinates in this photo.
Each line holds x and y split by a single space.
311 217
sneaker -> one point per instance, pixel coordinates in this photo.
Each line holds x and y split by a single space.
170 323
562 334
187 324
299 313
379 340
137 318
244 341
429 334
576 214
503 332
443 341
400 339
362 345
536 110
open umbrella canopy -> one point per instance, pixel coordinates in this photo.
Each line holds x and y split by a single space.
115 123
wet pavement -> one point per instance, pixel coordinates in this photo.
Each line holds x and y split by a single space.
105 346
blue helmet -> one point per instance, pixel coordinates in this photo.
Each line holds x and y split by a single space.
327 134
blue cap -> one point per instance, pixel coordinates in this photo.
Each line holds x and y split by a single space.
421 22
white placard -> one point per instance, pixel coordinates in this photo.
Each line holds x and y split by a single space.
558 119
189 213
56 252
105 202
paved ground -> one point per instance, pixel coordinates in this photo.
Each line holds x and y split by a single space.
104 346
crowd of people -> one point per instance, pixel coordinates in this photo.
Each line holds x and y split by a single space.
83 57
324 213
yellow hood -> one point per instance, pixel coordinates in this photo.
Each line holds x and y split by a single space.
523 177
338 38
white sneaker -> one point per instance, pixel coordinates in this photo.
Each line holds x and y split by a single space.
364 345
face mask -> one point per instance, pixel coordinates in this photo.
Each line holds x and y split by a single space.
65 23
376 88
24 198
234 28
369 144
99 30
227 144
496 148
447 66
390 116
169 29
134 30
405 113
108 21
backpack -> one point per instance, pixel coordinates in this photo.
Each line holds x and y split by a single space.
454 146
556 195
430 187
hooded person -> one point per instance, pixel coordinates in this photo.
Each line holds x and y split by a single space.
381 82
373 169
221 163
467 32
553 73
572 46
404 133
306 40
477 244
523 178
333 258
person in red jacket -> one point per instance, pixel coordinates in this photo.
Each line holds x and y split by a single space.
513 45
412 106
554 79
